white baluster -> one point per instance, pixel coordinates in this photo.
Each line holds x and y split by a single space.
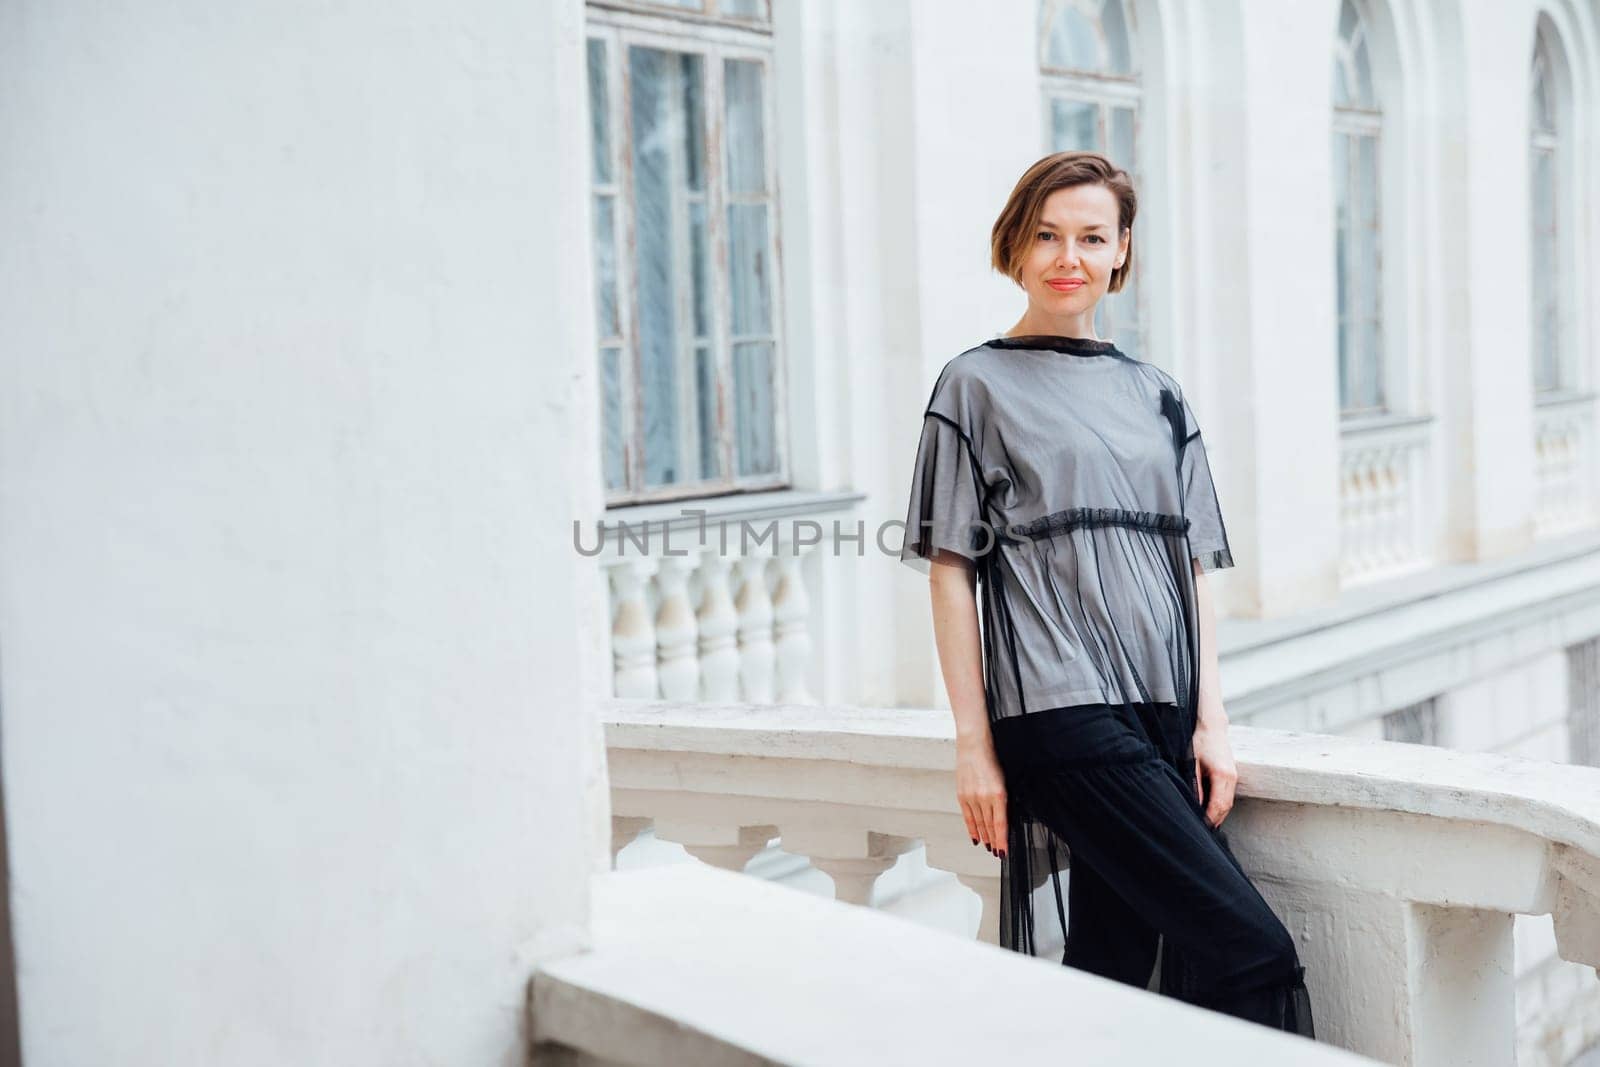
729 847
791 612
754 605
678 665
852 858
624 830
976 869
633 639
988 889
719 628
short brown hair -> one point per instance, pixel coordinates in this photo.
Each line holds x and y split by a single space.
1013 231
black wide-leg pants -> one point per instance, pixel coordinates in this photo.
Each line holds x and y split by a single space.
1116 783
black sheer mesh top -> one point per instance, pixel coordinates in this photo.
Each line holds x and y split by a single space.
1077 479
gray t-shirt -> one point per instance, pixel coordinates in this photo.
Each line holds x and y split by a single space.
1076 480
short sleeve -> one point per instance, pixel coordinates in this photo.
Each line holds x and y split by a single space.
1208 537
946 506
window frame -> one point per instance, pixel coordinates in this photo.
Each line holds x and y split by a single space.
716 39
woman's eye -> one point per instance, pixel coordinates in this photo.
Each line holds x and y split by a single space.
1045 233
1096 237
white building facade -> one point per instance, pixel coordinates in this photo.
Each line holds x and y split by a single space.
324 335
1365 236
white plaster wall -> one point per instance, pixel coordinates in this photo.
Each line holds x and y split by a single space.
1520 712
296 404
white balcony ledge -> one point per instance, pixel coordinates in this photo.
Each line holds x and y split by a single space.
1397 868
691 965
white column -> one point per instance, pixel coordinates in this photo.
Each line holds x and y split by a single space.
1463 992
1489 379
1265 236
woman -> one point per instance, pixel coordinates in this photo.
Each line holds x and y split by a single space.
1069 483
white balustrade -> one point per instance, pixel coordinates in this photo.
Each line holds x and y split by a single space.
1564 463
1387 511
1397 868
702 625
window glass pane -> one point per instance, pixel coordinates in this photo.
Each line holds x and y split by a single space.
1072 39
665 106
705 376
1546 369
1364 288
747 168
747 265
599 113
605 267
1543 114
1121 148
745 9
1341 178
1348 19
611 417
754 410
1346 377
1366 179
1377 390
1074 126
1543 252
1114 26
1352 78
694 125
700 269
1544 191
1363 75
1368 268
1117 317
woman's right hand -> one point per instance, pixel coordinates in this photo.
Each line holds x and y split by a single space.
981 789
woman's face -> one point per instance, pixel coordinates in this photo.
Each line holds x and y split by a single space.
1074 250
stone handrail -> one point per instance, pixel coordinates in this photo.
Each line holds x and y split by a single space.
1398 868
691 965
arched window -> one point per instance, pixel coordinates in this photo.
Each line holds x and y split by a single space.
1550 369
1357 124
1089 65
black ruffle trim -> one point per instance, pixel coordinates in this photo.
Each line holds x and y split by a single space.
1058 522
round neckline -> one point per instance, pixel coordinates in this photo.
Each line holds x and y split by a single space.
1074 346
